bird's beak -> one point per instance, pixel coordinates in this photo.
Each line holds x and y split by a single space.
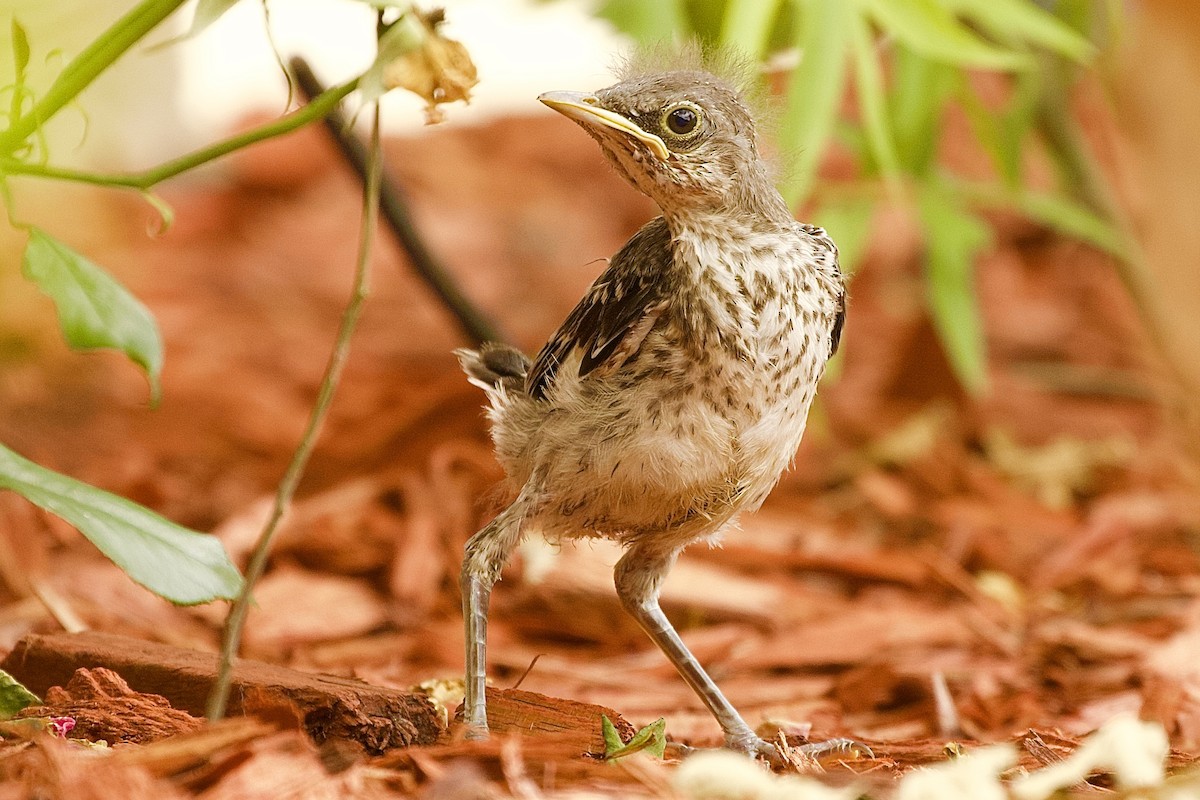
585 108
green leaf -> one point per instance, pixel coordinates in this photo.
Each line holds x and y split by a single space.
1071 218
178 564
954 239
20 46
746 26
612 739
703 20
207 12
933 32
402 37
652 739
94 310
815 91
990 132
1058 212
921 89
1021 20
166 214
872 99
1015 123
14 696
647 22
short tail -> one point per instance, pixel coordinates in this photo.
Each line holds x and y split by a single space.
495 366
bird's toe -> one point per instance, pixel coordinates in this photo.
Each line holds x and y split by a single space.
760 749
782 755
839 747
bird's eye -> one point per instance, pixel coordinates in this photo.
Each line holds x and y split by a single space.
681 120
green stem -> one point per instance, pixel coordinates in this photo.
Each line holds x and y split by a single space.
85 67
219 698
319 107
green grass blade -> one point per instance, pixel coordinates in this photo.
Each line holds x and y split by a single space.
648 23
1055 211
1016 122
746 25
933 31
815 92
1022 21
990 132
921 89
953 240
1073 219
178 564
872 100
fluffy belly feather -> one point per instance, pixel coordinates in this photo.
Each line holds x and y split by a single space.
673 454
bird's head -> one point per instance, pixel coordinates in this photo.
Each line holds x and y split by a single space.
685 138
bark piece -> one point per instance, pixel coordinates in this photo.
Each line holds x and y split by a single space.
576 727
331 707
105 708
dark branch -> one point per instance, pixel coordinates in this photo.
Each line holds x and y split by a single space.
477 327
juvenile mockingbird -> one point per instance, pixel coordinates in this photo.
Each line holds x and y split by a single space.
675 394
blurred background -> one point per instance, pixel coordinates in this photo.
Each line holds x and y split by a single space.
997 490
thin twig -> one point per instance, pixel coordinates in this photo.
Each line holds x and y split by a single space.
57 606
318 106
528 670
232 636
474 323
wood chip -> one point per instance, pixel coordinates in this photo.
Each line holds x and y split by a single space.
332 707
106 709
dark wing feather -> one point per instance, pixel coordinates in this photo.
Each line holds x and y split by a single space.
613 310
839 321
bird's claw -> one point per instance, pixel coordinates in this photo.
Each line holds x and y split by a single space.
839 746
783 754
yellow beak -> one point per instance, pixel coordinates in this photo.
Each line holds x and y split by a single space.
585 108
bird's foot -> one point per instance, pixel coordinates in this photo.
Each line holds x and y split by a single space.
839 747
781 754
759 748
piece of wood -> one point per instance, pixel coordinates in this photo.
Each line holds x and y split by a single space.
377 718
576 727
105 708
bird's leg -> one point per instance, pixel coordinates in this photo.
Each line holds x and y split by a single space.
486 554
638 576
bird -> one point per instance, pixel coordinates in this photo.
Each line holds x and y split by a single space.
675 394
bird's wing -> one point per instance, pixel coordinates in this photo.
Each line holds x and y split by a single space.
613 318
839 316
839 321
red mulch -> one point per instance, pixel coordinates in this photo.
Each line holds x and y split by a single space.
1033 551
